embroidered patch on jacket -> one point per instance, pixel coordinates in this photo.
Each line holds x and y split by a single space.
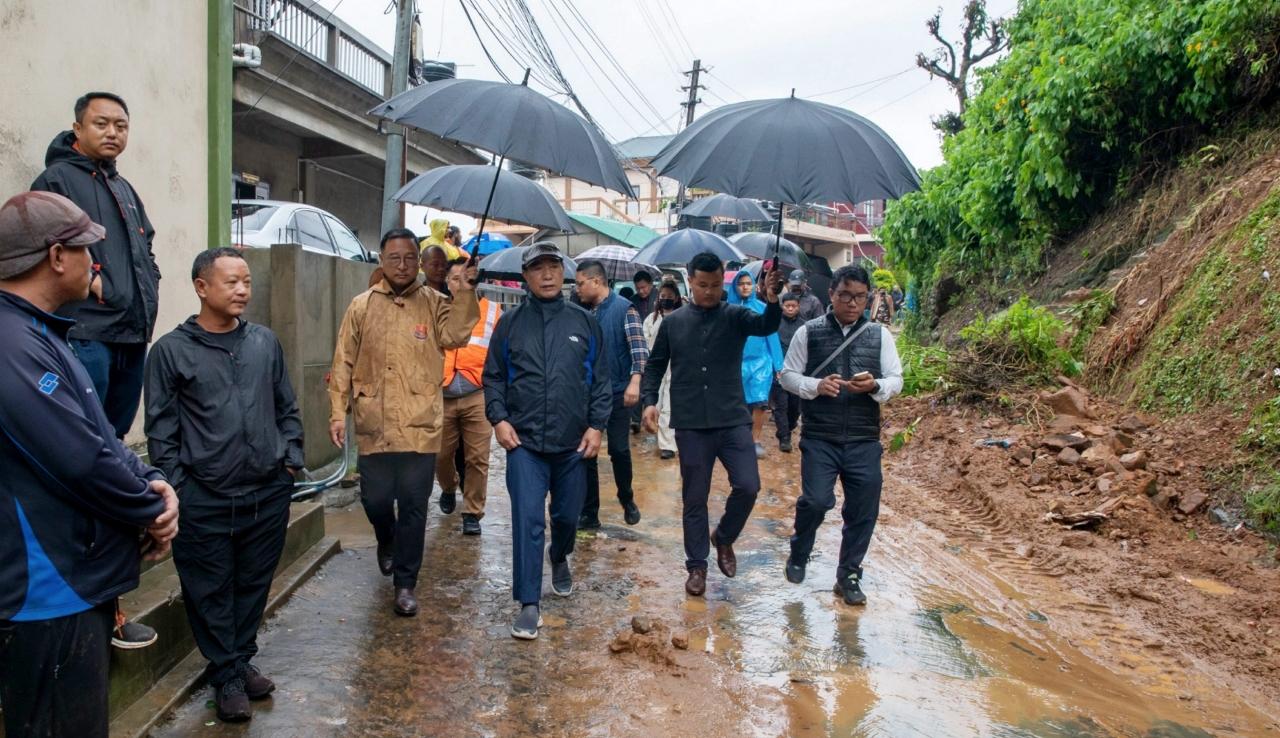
48 383
420 331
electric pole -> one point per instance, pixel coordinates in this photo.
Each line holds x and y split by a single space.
393 178
689 106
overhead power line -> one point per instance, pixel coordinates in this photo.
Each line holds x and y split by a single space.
860 84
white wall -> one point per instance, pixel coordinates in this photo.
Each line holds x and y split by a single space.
152 53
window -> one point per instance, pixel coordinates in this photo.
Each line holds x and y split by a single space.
349 247
309 230
250 217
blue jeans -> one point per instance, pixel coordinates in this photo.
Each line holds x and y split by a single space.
857 464
116 370
530 476
699 450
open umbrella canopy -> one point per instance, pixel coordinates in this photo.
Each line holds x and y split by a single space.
465 188
678 247
788 150
505 264
618 261
726 206
512 121
490 243
761 244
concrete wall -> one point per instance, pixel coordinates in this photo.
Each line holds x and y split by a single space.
154 55
302 297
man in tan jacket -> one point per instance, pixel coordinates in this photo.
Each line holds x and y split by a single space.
387 370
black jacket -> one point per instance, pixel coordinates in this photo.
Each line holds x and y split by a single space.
547 375
74 500
229 420
850 416
704 349
130 277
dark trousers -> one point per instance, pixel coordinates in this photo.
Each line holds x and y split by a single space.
226 554
530 476
786 411
857 464
395 489
618 440
116 372
53 674
699 450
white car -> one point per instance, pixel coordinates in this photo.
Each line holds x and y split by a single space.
258 224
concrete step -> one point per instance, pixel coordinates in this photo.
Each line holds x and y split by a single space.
157 602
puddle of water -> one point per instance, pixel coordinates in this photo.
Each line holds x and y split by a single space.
1209 586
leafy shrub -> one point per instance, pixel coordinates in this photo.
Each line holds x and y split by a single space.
1089 89
924 368
883 278
1019 345
1087 316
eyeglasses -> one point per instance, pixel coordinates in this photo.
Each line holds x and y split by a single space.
399 260
848 297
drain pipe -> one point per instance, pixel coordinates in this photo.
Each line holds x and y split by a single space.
310 488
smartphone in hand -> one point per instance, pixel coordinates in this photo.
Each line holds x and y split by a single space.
860 377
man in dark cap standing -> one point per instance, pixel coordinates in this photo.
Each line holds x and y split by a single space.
65 475
810 306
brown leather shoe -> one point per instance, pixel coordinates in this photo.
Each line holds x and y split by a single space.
257 686
696 584
725 558
406 603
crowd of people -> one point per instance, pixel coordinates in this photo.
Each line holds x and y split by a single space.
425 375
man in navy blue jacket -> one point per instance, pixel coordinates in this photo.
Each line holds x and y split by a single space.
77 509
548 396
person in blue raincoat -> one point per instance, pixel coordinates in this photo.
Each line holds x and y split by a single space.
761 358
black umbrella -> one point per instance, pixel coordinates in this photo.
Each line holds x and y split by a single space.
506 264
789 151
726 206
465 188
678 247
763 245
514 122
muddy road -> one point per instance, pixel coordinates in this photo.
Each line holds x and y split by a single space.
964 635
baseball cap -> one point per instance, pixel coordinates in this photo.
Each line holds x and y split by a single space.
538 250
797 277
33 221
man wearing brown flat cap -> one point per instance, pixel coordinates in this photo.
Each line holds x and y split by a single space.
77 509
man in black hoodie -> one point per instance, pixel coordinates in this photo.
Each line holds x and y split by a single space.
223 424
114 324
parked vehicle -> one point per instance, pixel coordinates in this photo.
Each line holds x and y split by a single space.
260 223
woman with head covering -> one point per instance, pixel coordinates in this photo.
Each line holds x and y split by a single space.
761 358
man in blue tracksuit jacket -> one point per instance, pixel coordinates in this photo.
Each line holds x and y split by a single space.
548 395
77 508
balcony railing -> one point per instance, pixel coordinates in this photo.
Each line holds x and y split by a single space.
311 29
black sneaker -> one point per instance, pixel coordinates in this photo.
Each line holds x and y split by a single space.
231 702
587 522
129 636
448 501
470 525
257 686
850 588
525 627
630 513
795 572
561 578
666 455
785 446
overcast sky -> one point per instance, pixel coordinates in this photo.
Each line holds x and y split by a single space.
755 48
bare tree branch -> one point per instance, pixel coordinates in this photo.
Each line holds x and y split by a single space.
954 67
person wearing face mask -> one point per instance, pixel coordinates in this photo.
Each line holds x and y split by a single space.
668 302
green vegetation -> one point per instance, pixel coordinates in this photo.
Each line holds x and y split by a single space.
1263 433
1262 502
1018 343
883 279
1090 90
1087 316
924 368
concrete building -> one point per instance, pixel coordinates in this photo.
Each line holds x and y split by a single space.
654 194
300 129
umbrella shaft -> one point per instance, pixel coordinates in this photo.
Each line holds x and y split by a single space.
475 250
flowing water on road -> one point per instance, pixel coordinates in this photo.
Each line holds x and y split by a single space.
947 646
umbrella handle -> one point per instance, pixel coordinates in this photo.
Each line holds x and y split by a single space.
475 249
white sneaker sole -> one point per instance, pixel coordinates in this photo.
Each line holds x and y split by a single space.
133 645
526 635
565 593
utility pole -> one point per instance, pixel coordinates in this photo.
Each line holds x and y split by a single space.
392 212
689 106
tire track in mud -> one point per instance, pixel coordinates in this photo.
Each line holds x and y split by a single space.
1031 581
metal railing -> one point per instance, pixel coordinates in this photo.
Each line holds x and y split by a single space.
311 28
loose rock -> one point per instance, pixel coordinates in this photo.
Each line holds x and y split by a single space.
1135 460
640 624
1192 502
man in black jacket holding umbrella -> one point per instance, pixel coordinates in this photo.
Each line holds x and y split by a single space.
223 424
702 342
548 395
